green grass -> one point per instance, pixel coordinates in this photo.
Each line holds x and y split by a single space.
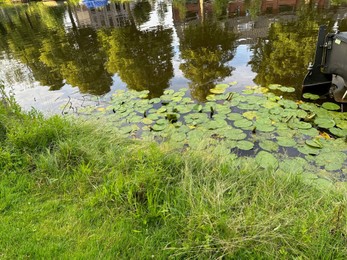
76 190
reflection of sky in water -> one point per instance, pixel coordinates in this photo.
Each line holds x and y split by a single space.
155 20
243 73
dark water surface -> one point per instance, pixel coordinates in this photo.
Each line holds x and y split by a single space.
52 53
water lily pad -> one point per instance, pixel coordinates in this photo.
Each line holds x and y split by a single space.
243 123
168 92
308 107
287 89
293 165
274 86
269 145
342 124
135 119
219 89
183 109
126 129
234 116
211 97
172 117
270 104
305 149
215 124
330 106
315 143
266 160
248 91
285 141
235 134
338 132
276 111
310 132
324 122
177 99
264 127
245 145
296 124
158 127
154 101
288 103
222 86
178 136
310 96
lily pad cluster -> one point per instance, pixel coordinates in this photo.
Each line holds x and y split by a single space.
279 133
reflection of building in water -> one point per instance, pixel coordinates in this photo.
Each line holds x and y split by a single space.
111 15
239 7
198 8
249 29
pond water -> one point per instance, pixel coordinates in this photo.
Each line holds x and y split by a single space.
52 53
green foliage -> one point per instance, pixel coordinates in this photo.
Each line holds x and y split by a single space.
94 195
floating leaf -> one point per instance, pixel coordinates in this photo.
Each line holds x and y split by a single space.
324 122
264 127
158 127
177 99
310 96
342 124
245 145
269 145
286 142
287 89
305 149
172 117
235 134
295 165
338 132
314 143
330 106
266 160
178 137
310 132
161 121
274 86
126 129
168 92
147 121
211 97
243 123
288 103
248 91
234 116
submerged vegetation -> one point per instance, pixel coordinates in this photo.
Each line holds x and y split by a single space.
82 190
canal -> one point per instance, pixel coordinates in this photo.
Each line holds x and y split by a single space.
52 53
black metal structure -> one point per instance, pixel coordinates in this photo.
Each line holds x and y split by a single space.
328 73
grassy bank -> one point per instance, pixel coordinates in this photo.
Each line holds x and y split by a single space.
71 190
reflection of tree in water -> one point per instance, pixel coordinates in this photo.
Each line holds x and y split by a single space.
20 38
220 7
142 11
37 38
284 56
206 49
142 59
77 57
